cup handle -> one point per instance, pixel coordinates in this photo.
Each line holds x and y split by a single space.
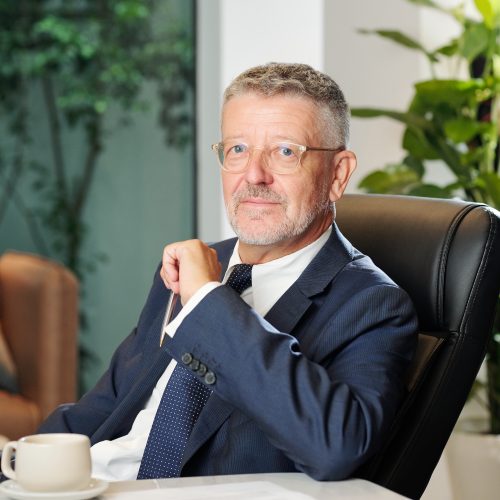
7 452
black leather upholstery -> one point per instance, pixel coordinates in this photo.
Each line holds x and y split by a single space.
446 255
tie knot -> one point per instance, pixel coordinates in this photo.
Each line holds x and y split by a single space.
240 278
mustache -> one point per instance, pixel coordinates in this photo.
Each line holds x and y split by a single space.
256 191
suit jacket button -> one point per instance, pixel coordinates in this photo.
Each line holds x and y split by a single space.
187 358
209 378
194 365
202 369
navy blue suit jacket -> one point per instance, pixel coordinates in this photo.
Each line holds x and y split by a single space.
312 387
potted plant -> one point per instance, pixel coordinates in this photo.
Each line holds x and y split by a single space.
454 121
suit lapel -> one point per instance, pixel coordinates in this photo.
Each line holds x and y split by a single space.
284 316
124 414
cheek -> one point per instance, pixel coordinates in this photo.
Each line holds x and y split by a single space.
307 189
311 192
230 183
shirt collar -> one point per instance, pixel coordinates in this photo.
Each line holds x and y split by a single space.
271 279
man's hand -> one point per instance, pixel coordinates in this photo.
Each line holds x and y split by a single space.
187 266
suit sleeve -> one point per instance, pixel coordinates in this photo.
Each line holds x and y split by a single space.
92 410
85 416
325 398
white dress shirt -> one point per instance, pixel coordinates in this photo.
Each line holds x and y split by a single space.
120 459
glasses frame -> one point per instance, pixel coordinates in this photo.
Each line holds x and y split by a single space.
302 148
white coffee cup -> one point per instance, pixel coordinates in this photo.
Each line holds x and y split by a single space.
49 462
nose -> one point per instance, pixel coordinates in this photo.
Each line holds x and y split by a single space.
257 171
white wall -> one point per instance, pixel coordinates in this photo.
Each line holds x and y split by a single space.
208 94
247 33
372 72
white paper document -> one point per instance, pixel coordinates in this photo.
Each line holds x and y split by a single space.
258 490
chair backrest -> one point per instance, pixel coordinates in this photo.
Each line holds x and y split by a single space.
446 255
39 316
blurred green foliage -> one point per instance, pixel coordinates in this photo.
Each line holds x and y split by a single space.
454 122
87 57
81 59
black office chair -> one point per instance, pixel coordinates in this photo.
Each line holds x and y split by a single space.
446 255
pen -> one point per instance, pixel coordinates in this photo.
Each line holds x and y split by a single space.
172 300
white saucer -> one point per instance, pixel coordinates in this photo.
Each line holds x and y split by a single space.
12 490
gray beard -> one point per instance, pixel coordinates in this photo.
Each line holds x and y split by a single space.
286 230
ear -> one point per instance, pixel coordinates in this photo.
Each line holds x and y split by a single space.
343 165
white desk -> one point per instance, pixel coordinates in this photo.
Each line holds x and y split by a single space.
290 486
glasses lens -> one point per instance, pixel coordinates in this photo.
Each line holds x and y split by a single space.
234 157
283 157
220 153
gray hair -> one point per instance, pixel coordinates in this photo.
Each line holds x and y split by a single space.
298 80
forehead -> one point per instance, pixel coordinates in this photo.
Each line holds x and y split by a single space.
255 115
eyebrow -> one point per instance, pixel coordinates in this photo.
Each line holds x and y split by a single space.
283 138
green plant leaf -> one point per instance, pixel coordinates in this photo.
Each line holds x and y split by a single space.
393 179
430 191
462 129
426 3
416 143
489 182
131 10
485 7
455 93
475 40
401 39
395 36
415 164
449 49
496 66
407 118
452 157
473 156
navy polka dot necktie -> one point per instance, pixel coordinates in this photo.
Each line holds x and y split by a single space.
240 278
179 408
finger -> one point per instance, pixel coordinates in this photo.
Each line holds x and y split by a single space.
170 268
164 277
170 277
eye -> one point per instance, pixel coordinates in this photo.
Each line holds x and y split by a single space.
237 149
286 150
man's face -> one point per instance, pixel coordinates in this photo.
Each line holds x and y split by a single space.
265 208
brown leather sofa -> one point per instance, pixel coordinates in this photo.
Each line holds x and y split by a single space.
39 320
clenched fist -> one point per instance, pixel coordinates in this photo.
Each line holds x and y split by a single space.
187 266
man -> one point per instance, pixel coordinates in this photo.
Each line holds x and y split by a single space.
303 370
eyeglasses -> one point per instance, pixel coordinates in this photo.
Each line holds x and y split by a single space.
278 157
